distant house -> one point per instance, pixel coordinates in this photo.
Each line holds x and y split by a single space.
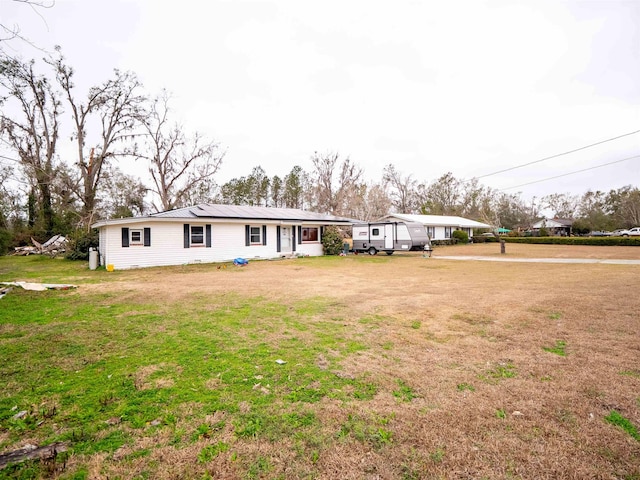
439 227
554 226
211 233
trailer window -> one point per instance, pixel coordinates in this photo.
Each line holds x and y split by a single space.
375 232
310 234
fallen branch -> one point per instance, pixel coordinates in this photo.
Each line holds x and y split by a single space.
31 452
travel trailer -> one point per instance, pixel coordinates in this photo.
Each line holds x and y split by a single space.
389 237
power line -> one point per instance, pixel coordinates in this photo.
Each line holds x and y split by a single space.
558 155
571 173
9 158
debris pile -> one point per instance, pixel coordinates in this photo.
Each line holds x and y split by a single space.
52 247
6 287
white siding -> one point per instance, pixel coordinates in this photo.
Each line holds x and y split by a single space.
167 244
439 230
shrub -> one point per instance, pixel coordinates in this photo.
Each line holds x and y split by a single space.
5 240
332 241
79 244
610 241
461 236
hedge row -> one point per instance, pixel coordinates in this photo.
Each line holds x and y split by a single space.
622 241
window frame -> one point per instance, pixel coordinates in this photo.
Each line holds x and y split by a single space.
140 234
431 231
448 231
195 235
253 234
308 230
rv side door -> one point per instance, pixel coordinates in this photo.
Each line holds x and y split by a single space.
388 237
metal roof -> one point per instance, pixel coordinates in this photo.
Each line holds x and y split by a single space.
439 220
240 212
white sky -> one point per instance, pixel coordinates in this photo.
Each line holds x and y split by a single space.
467 86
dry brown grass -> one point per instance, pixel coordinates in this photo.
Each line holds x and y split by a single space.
439 325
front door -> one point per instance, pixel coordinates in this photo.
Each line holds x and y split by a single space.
285 239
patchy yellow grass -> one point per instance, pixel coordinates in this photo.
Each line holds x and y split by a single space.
467 338
522 250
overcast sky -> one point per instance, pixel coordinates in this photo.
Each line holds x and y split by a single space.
466 86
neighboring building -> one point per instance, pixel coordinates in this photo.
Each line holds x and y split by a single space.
211 233
439 227
554 226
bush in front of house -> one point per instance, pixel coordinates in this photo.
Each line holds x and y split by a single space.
461 236
332 241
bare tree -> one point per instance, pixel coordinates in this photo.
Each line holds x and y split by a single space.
102 124
11 32
121 195
373 203
334 183
403 189
34 136
472 197
563 205
177 163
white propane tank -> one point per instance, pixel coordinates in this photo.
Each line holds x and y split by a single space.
93 258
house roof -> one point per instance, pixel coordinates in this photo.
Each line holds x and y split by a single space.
553 223
439 220
234 212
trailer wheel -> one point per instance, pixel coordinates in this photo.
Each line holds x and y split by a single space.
372 251
389 252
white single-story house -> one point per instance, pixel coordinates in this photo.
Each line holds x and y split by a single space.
554 226
439 227
211 233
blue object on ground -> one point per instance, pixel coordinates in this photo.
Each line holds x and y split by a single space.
240 261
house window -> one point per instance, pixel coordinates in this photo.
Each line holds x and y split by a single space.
447 232
197 235
135 237
255 236
310 234
431 231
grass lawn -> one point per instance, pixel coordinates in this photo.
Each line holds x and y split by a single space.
323 368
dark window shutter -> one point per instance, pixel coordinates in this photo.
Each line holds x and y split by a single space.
293 238
147 237
321 233
247 235
299 234
125 237
208 235
264 234
186 235
278 241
